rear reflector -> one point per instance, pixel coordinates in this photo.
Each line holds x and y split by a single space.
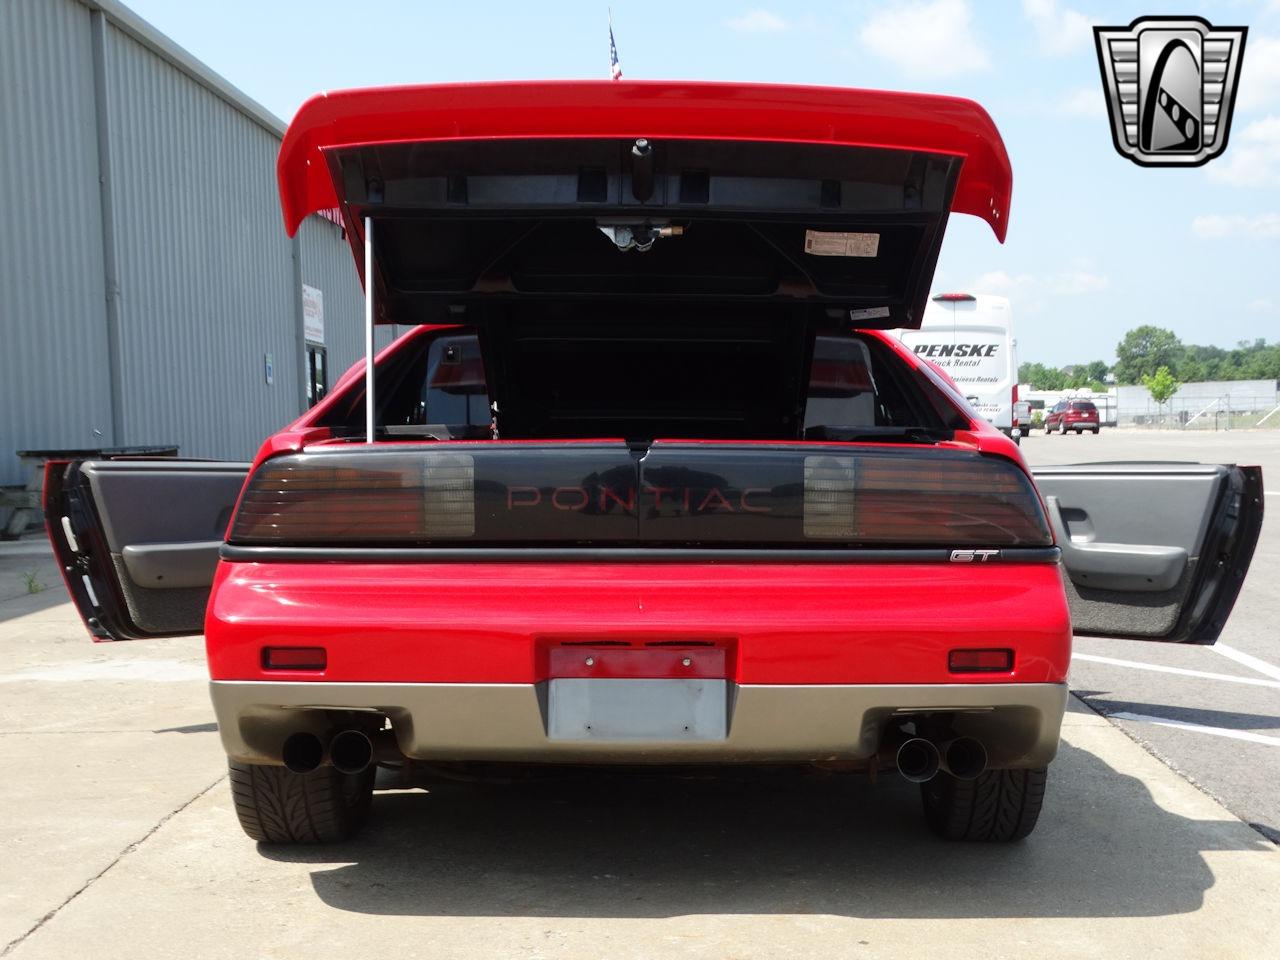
980 661
294 658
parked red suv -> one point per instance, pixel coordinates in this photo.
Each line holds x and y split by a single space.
646 482
1077 415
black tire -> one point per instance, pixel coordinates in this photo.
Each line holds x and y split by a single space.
1079 432
999 806
1095 431
276 805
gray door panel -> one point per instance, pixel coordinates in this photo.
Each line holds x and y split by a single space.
1152 551
146 534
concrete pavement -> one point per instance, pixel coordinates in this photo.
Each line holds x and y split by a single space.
119 841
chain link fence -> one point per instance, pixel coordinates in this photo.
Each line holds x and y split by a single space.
1225 412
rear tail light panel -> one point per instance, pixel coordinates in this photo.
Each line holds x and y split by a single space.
677 494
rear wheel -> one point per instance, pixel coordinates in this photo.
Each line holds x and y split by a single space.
998 806
276 805
1095 431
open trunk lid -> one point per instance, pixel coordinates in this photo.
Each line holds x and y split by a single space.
837 199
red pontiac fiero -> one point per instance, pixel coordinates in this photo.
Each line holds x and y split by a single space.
646 482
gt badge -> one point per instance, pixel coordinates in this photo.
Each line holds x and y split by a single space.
1171 87
973 556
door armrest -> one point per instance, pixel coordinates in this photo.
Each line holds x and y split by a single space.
1139 568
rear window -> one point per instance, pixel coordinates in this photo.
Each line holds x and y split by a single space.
1083 405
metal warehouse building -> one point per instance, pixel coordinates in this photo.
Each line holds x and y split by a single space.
148 292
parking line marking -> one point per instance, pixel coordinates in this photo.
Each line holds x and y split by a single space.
1248 660
1181 671
1197 728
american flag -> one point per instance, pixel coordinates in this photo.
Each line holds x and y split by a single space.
615 68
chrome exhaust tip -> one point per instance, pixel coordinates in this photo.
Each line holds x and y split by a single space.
302 752
918 760
351 752
965 758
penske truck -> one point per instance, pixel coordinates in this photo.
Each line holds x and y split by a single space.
970 336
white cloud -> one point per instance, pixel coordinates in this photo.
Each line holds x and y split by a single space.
1264 226
1261 305
998 281
1060 31
1027 290
1076 282
1083 102
758 21
1259 86
1253 156
926 39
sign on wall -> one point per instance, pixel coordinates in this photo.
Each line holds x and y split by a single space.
313 314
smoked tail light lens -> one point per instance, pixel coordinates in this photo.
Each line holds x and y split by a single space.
922 500
828 495
391 498
980 661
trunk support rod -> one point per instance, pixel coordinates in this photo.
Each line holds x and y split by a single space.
369 404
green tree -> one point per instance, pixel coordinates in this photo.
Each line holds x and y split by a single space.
1262 363
1162 385
1040 377
1096 370
1144 350
1192 370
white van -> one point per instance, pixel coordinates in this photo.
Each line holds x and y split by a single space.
971 337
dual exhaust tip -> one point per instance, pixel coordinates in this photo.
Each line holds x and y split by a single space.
919 760
350 751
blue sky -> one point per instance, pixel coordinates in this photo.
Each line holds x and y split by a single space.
1096 244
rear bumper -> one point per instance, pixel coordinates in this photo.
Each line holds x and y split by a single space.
774 623
1019 723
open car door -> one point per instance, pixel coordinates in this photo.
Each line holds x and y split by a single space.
1153 551
138 540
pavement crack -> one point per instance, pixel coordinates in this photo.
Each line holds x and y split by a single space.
18 941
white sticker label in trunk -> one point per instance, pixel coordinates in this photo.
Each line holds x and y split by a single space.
825 244
870 313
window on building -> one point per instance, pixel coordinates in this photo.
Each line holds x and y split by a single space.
317 374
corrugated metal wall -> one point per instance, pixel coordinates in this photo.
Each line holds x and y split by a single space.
206 271
52 316
205 283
